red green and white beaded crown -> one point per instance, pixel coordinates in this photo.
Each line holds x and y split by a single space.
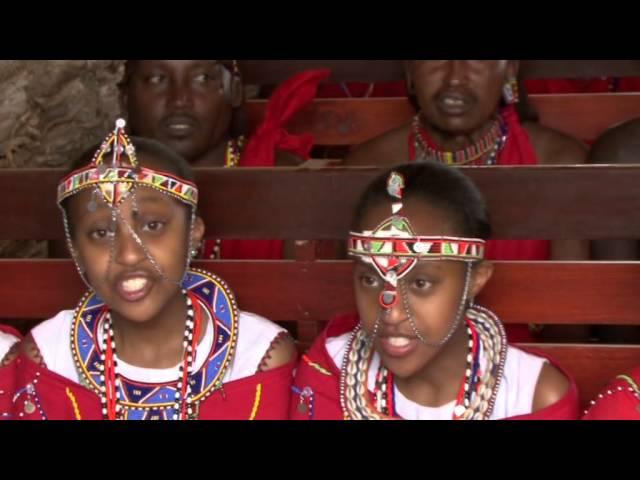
393 248
115 172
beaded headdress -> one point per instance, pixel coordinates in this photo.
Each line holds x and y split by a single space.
113 175
114 171
394 249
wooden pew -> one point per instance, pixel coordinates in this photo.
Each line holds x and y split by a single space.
346 122
275 71
543 202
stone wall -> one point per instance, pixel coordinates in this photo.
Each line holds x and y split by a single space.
50 112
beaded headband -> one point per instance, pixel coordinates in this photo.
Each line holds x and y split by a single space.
393 248
116 179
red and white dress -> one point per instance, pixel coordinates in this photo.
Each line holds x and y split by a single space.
226 383
317 384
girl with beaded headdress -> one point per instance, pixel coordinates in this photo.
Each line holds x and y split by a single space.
468 117
419 348
152 338
196 108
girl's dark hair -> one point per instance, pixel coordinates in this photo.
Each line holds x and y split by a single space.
436 185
